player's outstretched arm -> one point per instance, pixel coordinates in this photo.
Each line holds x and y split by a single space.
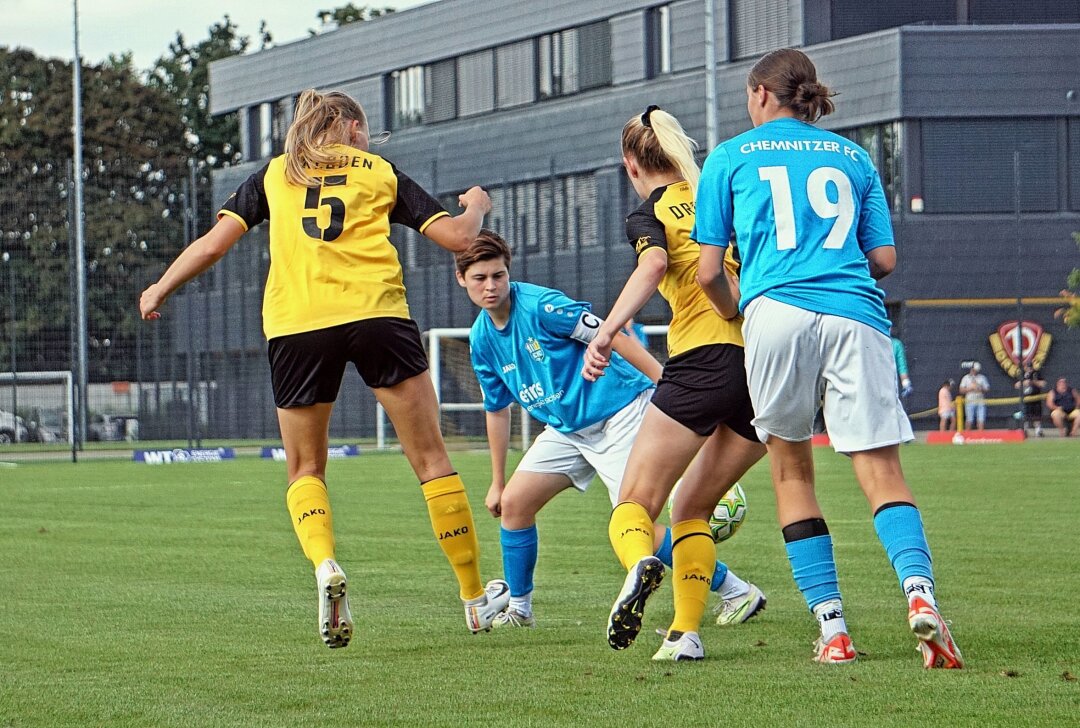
630 348
720 287
458 233
498 435
195 259
639 288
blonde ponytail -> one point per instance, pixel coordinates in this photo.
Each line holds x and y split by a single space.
657 141
318 121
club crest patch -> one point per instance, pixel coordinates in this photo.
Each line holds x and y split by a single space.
533 347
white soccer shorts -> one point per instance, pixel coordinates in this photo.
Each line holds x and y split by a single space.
599 449
798 360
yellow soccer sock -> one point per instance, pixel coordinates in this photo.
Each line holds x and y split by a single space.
452 521
693 555
309 506
631 532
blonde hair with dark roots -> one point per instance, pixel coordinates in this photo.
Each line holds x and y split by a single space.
319 120
661 146
790 76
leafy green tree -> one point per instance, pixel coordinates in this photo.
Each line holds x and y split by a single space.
1070 313
183 74
133 164
349 13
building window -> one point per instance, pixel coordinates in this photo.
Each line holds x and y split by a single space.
476 83
555 78
515 66
555 64
440 91
282 116
526 226
968 165
594 55
658 41
406 103
497 219
882 144
574 60
266 130
758 26
1074 164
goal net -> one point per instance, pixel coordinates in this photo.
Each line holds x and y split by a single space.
461 402
36 407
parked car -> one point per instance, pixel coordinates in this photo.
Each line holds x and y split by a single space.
104 428
47 425
12 428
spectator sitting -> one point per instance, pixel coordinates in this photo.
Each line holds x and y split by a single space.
1062 401
1032 385
974 387
946 408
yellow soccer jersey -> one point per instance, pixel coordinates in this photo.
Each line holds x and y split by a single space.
665 220
331 261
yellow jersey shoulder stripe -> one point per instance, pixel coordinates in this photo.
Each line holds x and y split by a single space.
433 218
234 216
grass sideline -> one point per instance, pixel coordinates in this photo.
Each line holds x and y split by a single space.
177 596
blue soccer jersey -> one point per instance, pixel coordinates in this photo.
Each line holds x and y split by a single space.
805 205
536 359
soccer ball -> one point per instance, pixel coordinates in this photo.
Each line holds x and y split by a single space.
728 515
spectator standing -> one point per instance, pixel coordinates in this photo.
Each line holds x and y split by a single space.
946 408
1031 384
974 387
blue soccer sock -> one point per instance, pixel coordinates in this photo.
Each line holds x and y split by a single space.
519 551
810 551
663 553
900 529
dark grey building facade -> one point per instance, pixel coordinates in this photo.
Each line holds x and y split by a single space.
971 110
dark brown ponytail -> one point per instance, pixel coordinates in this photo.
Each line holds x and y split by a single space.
790 76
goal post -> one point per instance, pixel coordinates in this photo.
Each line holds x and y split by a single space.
458 391
37 407
452 373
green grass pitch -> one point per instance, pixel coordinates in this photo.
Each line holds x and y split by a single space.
177 596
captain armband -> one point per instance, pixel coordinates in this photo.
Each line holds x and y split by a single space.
588 325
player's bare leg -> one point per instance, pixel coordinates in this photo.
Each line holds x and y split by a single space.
522 498
900 529
304 434
724 458
809 546
413 409
662 451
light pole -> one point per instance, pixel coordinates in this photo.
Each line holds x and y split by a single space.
14 371
80 241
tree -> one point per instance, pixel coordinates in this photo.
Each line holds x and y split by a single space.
184 75
1070 313
134 161
347 14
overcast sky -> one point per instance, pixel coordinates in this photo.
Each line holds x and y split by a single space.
147 27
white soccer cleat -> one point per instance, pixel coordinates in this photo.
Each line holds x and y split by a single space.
335 620
480 616
513 618
740 609
641 581
686 647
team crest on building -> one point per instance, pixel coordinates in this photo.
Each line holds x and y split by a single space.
1016 343
533 347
